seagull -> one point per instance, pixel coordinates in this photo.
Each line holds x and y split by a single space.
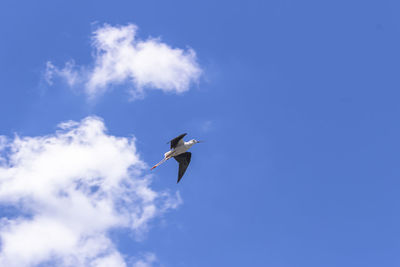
178 152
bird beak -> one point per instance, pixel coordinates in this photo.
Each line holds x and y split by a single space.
200 141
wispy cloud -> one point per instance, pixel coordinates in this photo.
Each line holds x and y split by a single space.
68 73
121 58
147 260
68 190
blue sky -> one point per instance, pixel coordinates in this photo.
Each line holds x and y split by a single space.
297 103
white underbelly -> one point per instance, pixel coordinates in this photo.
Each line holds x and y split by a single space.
178 150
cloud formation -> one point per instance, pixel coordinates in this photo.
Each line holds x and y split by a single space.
121 58
65 191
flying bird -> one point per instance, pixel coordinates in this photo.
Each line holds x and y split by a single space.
178 152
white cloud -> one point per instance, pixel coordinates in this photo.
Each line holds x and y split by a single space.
68 190
121 58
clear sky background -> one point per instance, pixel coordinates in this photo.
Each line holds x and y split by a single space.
297 103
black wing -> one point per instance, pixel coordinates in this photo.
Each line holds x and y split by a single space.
175 141
184 160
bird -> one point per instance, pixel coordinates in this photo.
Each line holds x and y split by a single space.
179 152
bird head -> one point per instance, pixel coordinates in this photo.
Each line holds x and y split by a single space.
194 141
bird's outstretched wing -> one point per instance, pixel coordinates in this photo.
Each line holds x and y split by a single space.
184 160
177 140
